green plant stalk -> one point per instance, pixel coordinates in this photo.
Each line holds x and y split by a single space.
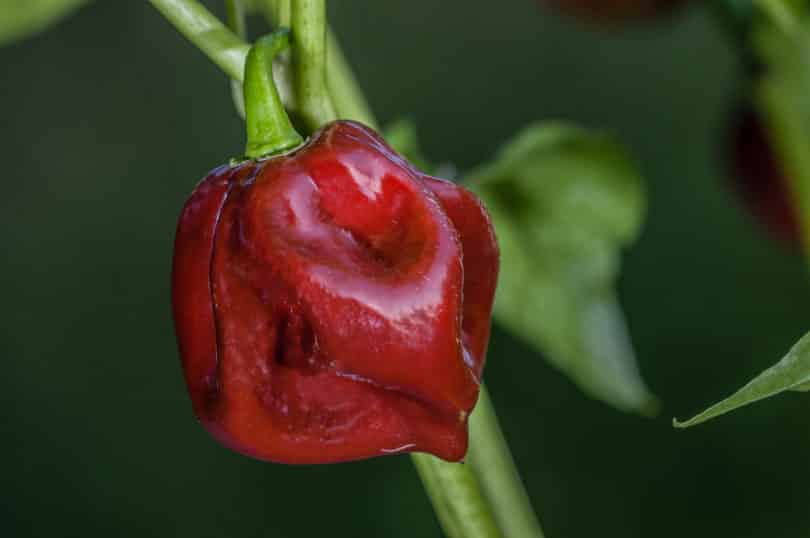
269 130
308 21
455 494
492 463
483 499
347 96
235 17
281 11
207 32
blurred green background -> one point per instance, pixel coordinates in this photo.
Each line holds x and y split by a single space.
110 119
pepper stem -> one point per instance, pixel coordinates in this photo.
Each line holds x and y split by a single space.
269 130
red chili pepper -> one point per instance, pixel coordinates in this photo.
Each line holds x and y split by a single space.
759 181
334 303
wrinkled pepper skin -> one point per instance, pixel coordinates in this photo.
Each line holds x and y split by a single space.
757 179
333 303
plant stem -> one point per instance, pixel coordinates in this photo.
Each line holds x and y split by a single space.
228 50
492 463
309 62
281 11
346 93
347 97
456 496
203 29
235 17
269 130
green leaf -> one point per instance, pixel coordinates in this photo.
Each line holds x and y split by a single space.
22 18
791 373
564 201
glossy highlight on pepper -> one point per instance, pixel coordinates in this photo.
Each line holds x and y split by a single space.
334 303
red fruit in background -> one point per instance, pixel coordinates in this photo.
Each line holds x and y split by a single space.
334 303
613 10
758 180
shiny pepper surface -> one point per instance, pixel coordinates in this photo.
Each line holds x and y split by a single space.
334 303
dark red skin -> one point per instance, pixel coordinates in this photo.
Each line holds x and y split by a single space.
759 181
614 10
334 303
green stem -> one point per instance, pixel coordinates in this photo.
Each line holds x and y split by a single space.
309 62
269 130
492 463
207 32
346 93
347 97
235 17
278 12
456 496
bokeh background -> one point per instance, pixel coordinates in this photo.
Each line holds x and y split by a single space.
108 121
